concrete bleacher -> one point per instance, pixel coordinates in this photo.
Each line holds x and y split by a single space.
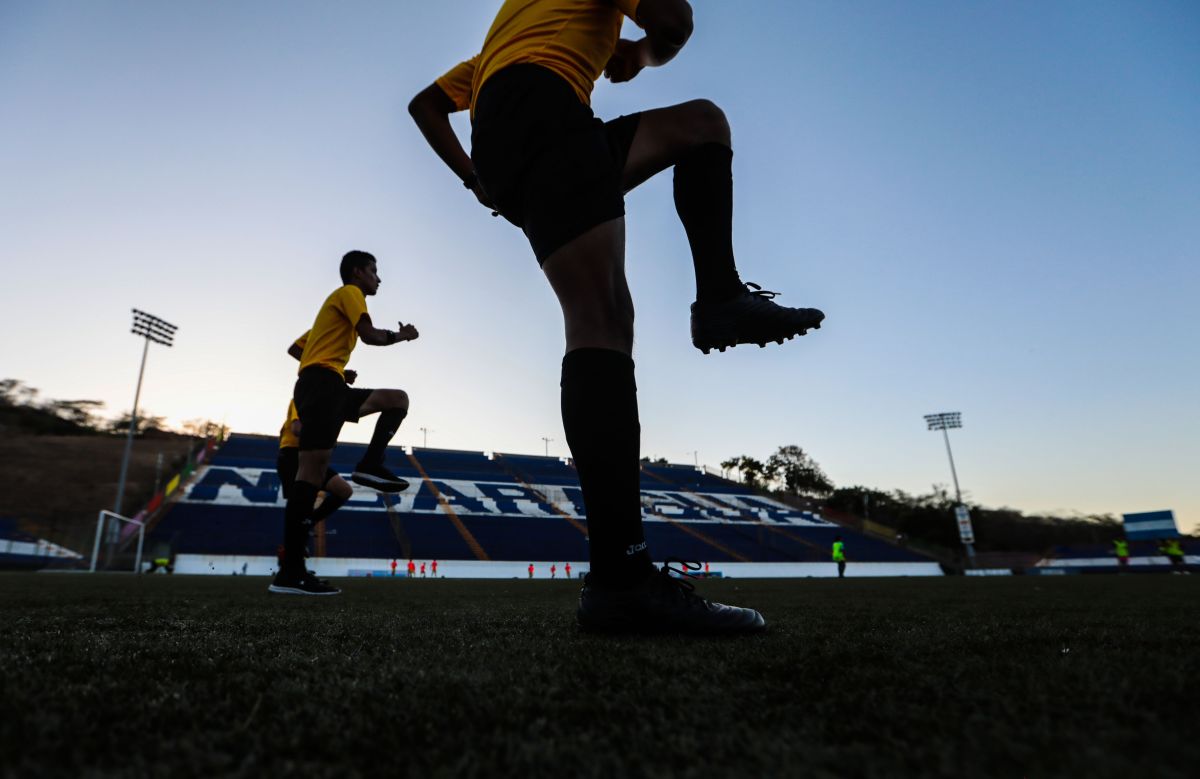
533 469
466 505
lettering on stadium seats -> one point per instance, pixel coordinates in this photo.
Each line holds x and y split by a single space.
244 486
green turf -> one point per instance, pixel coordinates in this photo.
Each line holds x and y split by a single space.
204 676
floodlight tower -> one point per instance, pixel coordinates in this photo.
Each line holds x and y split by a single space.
547 441
159 331
944 422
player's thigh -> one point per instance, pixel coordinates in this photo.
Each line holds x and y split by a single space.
313 464
666 135
379 400
588 276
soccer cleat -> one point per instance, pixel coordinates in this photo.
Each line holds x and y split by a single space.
661 603
378 478
303 584
750 317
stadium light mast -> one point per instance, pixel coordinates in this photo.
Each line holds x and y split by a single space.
547 441
159 331
945 422
425 436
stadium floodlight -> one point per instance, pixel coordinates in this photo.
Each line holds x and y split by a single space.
547 441
159 331
425 436
944 422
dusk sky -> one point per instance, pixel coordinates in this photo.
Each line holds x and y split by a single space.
997 205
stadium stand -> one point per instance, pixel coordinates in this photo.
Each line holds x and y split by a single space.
20 550
471 506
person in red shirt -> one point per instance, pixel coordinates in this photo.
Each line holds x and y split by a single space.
531 570
434 564
567 570
553 570
422 570
393 567
412 569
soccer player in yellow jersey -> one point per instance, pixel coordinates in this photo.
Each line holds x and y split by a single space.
544 161
287 463
324 402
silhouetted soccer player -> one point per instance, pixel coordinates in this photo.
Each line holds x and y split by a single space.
324 403
542 159
287 463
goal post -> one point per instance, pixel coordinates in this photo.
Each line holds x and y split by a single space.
108 530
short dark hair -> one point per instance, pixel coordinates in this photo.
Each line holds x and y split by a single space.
352 261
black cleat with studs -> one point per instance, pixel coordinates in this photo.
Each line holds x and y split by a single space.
751 317
661 602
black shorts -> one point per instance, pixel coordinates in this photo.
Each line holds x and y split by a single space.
324 403
548 164
287 464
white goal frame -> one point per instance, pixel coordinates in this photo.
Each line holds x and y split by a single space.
141 531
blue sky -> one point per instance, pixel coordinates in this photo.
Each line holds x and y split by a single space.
995 203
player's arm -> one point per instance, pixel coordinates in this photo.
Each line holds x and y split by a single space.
668 25
297 348
431 110
369 334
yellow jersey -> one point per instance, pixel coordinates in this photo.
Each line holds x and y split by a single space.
287 437
334 335
573 38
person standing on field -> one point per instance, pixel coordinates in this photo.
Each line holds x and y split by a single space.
543 160
839 556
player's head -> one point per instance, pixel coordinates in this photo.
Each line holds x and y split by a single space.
359 268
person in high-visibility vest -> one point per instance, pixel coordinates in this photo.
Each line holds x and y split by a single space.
839 555
1174 552
1121 549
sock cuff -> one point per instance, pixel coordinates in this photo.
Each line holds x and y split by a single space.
303 491
595 365
708 153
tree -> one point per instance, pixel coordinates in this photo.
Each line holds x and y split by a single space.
753 472
200 428
78 412
14 392
797 472
145 422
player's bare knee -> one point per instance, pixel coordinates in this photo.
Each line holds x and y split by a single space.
341 488
397 399
708 122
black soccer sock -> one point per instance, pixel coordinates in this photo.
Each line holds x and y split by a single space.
385 427
704 201
331 504
600 417
295 528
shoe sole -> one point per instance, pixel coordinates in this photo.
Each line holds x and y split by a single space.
706 345
376 483
280 590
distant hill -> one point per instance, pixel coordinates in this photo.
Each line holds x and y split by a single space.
56 484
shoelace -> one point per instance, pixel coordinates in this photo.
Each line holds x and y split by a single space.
760 292
686 588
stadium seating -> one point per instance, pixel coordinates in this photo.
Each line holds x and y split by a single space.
511 506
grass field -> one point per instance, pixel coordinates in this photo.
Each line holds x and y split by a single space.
204 676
